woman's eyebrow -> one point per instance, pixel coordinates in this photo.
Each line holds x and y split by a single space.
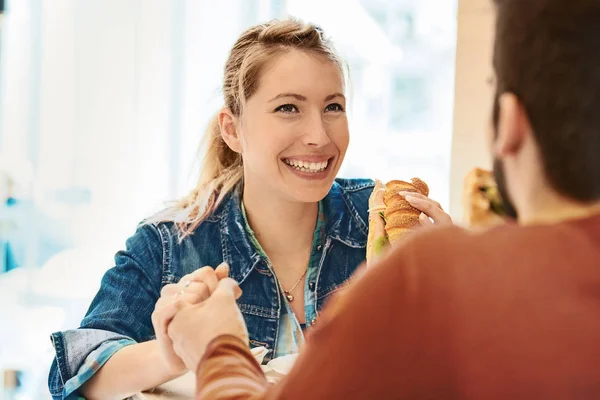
298 97
333 96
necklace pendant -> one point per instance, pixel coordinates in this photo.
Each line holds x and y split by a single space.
289 296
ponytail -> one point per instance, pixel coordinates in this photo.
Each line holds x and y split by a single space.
221 171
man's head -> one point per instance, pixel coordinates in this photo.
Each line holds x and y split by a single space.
546 115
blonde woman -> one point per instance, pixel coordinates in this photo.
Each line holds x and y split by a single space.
267 203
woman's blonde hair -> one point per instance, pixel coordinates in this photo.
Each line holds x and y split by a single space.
222 168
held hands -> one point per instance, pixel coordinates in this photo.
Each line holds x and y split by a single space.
192 289
195 326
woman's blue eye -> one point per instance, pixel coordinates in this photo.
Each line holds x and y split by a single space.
335 107
287 109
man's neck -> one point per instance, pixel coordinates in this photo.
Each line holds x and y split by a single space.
281 227
551 208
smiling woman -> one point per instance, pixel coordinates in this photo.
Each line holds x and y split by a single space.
293 132
267 203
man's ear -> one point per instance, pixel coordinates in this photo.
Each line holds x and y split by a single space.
229 133
513 126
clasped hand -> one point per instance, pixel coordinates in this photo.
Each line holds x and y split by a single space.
192 313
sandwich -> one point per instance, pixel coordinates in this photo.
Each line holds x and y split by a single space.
482 202
391 217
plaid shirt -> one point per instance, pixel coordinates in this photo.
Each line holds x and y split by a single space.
91 365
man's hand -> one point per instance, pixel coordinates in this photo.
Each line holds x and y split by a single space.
195 326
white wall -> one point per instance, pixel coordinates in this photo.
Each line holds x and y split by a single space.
108 99
473 96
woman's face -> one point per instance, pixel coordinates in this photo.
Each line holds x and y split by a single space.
293 132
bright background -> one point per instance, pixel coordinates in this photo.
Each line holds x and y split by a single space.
103 104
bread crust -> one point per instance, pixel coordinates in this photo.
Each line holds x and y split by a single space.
477 210
401 218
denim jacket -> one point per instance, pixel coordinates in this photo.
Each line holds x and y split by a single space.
120 313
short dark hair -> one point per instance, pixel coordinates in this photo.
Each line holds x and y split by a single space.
547 52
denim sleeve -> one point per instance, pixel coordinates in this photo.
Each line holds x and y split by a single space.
90 364
119 315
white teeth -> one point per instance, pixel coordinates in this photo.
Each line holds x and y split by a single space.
306 166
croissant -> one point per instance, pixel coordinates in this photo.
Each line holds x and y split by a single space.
391 217
482 203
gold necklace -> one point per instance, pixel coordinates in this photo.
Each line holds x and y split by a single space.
288 293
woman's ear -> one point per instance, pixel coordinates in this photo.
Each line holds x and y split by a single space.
229 133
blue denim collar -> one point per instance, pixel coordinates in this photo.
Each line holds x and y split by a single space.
343 223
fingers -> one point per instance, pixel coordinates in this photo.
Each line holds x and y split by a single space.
420 196
206 275
194 293
435 213
200 284
169 290
424 220
197 286
431 208
227 289
164 311
222 271
192 289
191 292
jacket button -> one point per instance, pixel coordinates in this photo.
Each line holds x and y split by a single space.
319 247
311 286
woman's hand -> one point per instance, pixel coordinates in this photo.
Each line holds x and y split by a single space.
195 326
432 212
192 289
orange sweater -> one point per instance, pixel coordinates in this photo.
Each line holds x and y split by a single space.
513 313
